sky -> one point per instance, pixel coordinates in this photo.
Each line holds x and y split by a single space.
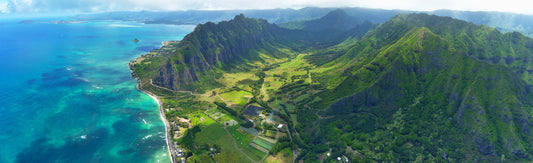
84 6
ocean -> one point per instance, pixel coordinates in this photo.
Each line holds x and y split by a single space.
66 93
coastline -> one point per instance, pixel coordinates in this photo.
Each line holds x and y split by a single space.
161 111
164 119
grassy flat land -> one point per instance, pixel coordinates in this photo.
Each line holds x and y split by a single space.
237 97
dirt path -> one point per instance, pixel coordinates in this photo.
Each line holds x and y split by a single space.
296 60
265 95
190 92
227 102
310 79
288 131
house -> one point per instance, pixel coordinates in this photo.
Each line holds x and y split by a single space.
280 126
179 152
175 124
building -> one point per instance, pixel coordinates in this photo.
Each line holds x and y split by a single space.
280 126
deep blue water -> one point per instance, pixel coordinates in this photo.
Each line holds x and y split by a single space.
66 94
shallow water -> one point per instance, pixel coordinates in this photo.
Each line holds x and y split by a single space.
66 92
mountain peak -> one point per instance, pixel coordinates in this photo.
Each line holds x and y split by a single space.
336 20
239 17
338 13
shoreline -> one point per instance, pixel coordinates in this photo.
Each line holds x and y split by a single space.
162 116
161 112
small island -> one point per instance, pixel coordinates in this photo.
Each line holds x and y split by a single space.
135 40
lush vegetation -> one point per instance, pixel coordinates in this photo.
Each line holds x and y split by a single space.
417 88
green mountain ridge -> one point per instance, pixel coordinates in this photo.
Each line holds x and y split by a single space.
419 66
336 20
416 88
334 26
213 46
232 45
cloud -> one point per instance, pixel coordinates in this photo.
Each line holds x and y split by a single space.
517 6
520 6
3 7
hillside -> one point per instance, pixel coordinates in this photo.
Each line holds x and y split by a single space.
224 46
416 88
433 85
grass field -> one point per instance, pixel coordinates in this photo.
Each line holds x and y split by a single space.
199 118
219 116
255 154
236 97
287 70
231 79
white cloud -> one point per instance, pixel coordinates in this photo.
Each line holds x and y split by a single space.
519 6
3 7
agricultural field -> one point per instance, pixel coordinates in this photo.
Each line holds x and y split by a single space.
215 134
262 143
241 138
253 153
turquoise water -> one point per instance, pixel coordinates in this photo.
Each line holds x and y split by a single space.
66 94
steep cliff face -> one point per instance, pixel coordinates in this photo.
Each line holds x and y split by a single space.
219 46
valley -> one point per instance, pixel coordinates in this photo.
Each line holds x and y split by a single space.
416 88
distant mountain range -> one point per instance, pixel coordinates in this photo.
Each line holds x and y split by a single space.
505 22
